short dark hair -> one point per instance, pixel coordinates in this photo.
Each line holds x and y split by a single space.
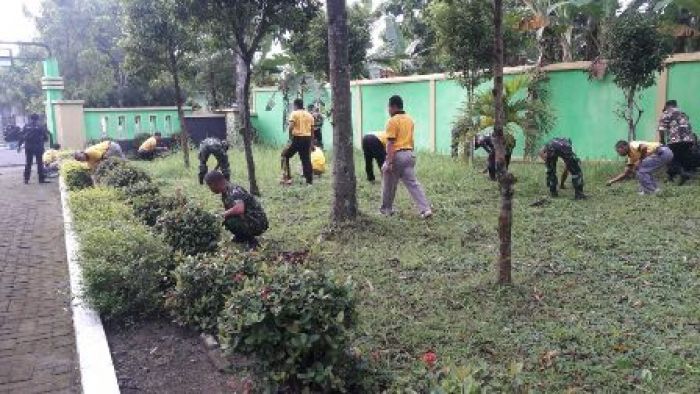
213 177
56 146
621 144
299 103
671 103
396 101
157 134
310 107
34 117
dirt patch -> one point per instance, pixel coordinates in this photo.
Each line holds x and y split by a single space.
160 357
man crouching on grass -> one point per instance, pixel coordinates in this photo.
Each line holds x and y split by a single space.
243 214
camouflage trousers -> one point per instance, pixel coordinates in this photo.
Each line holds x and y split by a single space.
573 165
221 160
247 226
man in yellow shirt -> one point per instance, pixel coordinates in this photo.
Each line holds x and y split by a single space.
374 149
301 125
149 148
98 152
644 158
401 161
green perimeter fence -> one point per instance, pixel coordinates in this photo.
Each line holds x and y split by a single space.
585 108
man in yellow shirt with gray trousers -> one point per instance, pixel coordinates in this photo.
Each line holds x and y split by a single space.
401 161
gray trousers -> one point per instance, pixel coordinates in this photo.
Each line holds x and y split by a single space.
114 150
404 170
651 163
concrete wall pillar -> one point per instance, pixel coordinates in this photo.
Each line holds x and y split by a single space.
69 123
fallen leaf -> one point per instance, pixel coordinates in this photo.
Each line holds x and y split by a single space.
547 358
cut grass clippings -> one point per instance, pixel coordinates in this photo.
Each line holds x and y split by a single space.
605 294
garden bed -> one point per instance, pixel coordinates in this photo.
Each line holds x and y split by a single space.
161 357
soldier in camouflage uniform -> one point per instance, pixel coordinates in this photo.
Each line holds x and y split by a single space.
676 132
550 153
243 215
318 125
486 143
213 146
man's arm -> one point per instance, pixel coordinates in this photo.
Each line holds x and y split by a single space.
390 153
662 129
236 210
628 171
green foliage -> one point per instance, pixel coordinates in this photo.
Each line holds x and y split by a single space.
123 176
190 229
141 188
75 174
93 206
202 285
106 167
635 50
295 321
308 48
149 207
464 33
124 266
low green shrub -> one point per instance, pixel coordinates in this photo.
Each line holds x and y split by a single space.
141 188
106 166
202 284
98 205
122 176
190 229
75 174
296 322
149 208
124 266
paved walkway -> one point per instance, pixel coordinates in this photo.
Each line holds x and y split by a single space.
37 341
9 157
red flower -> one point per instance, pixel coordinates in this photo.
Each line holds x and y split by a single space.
429 358
264 293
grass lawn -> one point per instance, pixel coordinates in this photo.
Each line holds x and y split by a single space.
606 293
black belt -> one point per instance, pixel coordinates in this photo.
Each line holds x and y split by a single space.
406 149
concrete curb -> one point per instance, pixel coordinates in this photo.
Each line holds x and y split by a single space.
96 369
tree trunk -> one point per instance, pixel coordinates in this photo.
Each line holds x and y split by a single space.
505 179
242 93
344 182
565 41
184 135
631 129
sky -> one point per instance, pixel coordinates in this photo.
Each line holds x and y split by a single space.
14 25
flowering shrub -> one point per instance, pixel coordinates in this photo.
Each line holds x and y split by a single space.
75 174
296 322
202 284
190 229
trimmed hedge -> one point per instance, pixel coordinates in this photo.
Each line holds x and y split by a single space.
75 174
190 229
297 322
122 176
202 284
125 266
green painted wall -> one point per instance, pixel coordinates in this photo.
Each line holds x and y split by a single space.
684 86
585 109
415 97
125 123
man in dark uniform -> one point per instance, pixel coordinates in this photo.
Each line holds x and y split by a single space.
213 146
550 153
243 215
676 132
318 124
374 149
34 135
486 143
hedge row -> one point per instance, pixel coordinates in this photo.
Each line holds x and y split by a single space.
143 253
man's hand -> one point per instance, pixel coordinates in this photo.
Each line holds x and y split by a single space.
388 167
